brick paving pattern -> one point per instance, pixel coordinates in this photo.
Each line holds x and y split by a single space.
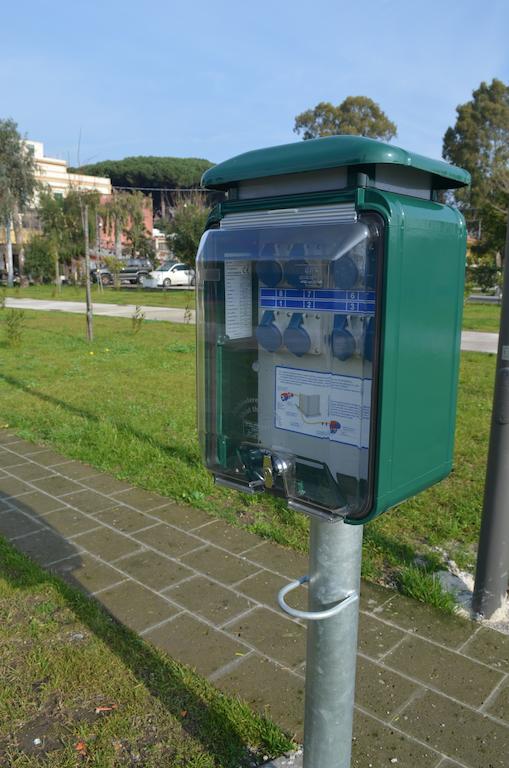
432 690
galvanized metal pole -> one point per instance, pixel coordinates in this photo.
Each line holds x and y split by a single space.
492 574
335 568
88 297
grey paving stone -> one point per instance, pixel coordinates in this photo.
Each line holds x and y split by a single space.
491 647
233 539
37 503
104 483
69 522
219 565
44 456
89 501
264 587
168 540
124 518
208 599
269 689
135 606
380 691
8 459
499 707
285 561
140 499
57 485
181 516
153 569
282 639
86 573
30 471
23 446
378 745
458 732
7 436
76 470
373 595
449 672
197 644
427 621
106 543
15 523
375 637
11 486
45 546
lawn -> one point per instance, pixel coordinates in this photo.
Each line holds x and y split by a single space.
80 689
178 297
126 404
481 317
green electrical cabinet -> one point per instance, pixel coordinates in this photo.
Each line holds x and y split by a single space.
329 308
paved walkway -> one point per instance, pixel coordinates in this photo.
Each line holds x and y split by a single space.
471 341
170 314
432 692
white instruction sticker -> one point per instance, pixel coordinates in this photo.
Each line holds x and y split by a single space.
505 353
323 405
238 297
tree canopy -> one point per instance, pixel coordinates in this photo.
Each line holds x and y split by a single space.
150 171
356 115
17 170
479 142
185 229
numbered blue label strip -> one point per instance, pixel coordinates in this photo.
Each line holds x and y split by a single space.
319 300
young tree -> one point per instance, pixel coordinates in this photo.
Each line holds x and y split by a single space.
186 227
17 182
479 142
356 115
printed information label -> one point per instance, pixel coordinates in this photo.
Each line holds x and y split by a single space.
505 353
238 298
323 405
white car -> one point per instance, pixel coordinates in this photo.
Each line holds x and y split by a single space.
169 274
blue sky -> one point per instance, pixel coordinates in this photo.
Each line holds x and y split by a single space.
212 79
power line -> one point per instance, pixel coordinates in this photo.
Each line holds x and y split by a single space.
163 189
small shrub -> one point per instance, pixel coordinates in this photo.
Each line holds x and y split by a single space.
137 319
14 327
3 298
188 315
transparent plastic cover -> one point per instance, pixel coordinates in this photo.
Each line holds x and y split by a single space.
287 347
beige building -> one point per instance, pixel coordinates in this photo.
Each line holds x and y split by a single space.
50 172
53 173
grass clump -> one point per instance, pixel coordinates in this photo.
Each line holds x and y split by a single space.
425 586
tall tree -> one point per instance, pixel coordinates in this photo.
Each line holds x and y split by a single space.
186 227
17 182
356 115
479 142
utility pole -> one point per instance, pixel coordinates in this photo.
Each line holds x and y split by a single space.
90 328
8 246
492 573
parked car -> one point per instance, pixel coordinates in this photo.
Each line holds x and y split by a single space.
133 273
169 274
103 274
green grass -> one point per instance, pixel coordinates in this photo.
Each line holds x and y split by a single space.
179 298
481 317
62 656
126 404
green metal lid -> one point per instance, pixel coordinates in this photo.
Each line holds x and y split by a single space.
328 152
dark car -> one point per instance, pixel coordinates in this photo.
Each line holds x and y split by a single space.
135 271
103 274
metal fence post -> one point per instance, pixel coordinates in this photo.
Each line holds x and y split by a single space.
335 565
492 573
